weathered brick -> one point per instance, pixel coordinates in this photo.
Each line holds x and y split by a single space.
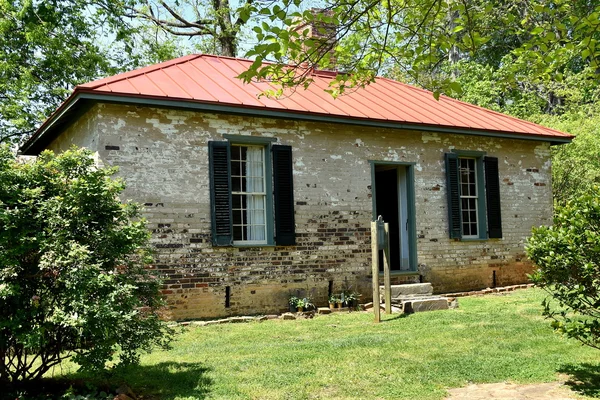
163 155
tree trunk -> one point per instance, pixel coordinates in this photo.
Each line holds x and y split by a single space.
228 45
227 38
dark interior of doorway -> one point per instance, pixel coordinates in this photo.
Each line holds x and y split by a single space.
386 203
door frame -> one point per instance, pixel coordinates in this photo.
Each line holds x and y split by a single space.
410 200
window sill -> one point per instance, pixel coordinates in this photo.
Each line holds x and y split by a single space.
475 239
400 273
246 245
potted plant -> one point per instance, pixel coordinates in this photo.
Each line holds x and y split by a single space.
308 305
304 304
333 299
300 305
351 299
293 301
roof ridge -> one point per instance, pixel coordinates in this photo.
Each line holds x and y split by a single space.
487 110
137 72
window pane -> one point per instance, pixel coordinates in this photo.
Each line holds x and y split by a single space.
464 176
466 230
237 217
236 184
473 229
235 152
257 185
236 201
258 217
257 202
257 232
237 233
236 169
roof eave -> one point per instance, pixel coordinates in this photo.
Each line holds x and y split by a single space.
81 94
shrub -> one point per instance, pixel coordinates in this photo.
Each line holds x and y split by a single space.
73 276
567 256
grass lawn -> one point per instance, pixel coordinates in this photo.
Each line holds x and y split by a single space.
488 339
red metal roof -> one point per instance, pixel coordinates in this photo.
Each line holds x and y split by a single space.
208 79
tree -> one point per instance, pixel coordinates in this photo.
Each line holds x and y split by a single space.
48 47
567 256
73 276
570 105
418 37
215 24
575 166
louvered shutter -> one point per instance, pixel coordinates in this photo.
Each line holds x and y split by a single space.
285 227
454 218
492 196
220 193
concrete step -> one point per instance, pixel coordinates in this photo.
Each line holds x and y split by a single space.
410 289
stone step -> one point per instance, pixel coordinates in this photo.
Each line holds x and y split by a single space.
420 305
410 289
412 297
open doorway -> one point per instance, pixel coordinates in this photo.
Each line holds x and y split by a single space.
394 201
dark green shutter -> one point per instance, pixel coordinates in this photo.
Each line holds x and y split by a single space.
220 193
492 196
454 217
283 179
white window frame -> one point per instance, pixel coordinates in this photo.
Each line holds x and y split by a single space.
262 194
462 196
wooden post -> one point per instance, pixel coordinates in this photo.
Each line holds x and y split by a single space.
386 271
375 266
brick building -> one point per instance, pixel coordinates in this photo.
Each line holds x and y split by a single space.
250 199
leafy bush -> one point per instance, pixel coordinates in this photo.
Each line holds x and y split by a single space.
73 281
567 256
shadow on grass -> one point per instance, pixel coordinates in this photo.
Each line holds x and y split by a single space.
387 318
584 378
168 380
162 381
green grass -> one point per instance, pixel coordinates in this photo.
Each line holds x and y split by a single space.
347 356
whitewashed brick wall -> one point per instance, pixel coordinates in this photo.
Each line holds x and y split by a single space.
163 155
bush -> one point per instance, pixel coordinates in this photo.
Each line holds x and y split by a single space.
567 256
73 281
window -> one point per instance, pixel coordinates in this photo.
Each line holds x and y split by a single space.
473 195
248 194
468 196
251 185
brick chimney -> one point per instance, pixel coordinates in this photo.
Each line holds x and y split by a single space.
324 34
